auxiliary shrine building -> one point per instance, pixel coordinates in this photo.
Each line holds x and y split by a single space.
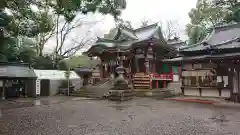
211 68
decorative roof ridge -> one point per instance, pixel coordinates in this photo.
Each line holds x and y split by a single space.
189 46
175 43
145 27
215 45
220 27
226 25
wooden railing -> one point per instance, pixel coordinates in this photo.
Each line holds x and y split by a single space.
144 81
162 77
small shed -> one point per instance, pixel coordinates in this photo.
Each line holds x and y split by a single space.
49 81
17 79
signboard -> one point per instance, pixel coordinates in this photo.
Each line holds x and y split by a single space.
175 78
38 87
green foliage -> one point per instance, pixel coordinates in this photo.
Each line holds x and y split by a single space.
27 22
234 14
62 65
12 51
196 33
83 61
206 15
43 62
69 8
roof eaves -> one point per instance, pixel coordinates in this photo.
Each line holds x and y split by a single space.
227 25
133 36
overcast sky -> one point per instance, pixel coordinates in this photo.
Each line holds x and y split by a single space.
137 10
155 10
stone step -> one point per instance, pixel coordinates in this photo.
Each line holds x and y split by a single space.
87 95
157 94
120 95
120 98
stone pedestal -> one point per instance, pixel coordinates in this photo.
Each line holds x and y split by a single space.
121 95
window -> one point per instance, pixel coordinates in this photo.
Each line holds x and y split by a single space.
175 69
199 78
165 68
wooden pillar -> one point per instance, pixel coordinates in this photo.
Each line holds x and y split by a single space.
157 84
3 90
238 86
230 81
101 68
235 81
154 66
136 65
171 72
26 88
165 84
146 65
154 71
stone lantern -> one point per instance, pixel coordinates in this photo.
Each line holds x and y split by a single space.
120 71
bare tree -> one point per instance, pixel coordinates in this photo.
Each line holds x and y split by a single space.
66 45
170 29
42 39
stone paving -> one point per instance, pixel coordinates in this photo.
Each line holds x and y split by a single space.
140 116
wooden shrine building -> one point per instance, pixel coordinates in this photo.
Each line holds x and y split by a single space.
212 67
141 50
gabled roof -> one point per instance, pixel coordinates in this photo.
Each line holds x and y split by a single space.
131 37
126 33
55 74
221 37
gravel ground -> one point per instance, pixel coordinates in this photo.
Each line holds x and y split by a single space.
136 117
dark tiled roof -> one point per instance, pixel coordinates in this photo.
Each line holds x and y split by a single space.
221 37
132 37
13 70
189 58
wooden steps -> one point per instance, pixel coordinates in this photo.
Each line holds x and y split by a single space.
141 81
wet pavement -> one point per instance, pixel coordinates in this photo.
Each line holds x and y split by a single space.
78 116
